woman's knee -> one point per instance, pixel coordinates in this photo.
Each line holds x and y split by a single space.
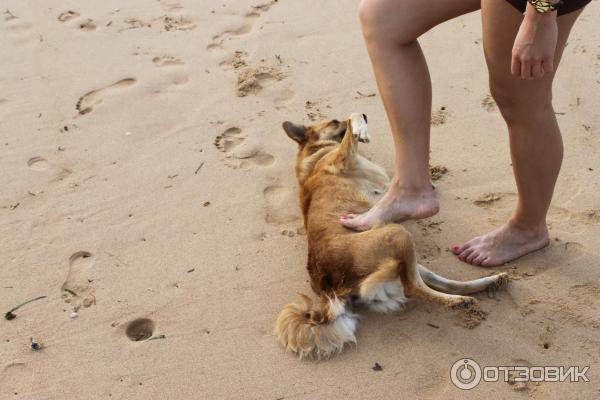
518 99
387 20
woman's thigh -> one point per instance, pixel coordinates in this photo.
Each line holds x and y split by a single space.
501 22
406 20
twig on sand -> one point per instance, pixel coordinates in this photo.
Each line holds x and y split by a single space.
433 325
10 314
366 95
199 167
156 337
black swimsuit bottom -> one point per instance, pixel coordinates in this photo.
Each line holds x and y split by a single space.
565 8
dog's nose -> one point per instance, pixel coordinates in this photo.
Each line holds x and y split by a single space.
365 117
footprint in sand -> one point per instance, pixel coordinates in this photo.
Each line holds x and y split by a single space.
67 16
237 61
88 101
507 201
237 153
14 23
86 25
134 23
561 254
281 205
38 164
253 80
256 11
167 61
17 379
585 293
261 8
555 255
219 40
78 286
140 329
179 23
284 98
180 79
19 30
590 217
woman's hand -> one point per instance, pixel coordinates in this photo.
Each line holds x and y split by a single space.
535 45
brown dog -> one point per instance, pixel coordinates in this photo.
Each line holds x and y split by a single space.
377 267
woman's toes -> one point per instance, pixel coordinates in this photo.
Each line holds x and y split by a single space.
355 222
457 249
465 253
472 257
479 259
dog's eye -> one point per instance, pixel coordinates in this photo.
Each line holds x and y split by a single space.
335 121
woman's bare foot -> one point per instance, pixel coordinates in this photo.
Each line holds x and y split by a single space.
502 245
396 205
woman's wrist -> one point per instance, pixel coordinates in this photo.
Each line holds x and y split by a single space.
533 15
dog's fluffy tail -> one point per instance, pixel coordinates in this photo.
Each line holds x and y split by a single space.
316 331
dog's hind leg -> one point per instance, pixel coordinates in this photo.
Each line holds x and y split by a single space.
417 288
442 284
388 252
382 289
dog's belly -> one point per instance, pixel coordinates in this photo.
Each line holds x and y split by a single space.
372 192
372 181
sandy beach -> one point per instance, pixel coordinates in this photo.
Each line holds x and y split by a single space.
148 192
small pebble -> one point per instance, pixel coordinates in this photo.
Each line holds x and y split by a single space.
377 367
73 315
88 302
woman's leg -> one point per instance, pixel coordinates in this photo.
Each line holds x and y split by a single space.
391 29
535 141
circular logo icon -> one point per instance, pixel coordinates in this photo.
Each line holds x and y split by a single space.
465 374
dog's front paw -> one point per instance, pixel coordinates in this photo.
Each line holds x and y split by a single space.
359 127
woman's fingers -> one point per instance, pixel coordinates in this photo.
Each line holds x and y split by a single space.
515 66
548 65
525 69
537 71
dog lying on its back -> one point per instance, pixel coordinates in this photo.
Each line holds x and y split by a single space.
377 267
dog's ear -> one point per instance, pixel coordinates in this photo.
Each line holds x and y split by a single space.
295 132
